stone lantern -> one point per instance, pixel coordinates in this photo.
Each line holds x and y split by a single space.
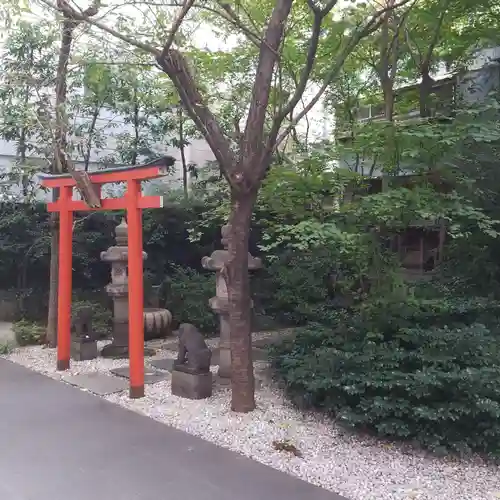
220 303
118 290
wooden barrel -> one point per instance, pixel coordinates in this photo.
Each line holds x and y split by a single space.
157 323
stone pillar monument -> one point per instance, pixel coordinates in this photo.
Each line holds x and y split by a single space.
220 303
118 290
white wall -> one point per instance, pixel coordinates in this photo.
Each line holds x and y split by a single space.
197 152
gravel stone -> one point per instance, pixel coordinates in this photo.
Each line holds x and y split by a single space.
357 467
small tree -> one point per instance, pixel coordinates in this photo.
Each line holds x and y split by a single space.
143 102
91 105
26 82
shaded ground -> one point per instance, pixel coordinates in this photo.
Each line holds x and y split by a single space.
60 443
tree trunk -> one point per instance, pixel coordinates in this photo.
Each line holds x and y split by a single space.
53 280
25 178
183 155
425 93
242 377
135 153
425 64
388 92
22 146
387 73
59 165
62 162
95 116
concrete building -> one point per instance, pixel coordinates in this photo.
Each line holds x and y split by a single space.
472 84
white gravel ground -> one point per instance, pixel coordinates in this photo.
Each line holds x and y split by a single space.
359 468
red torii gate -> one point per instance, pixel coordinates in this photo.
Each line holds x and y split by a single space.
133 202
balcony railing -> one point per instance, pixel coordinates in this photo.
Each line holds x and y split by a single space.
406 104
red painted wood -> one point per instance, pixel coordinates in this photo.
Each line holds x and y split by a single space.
135 290
140 173
108 204
65 280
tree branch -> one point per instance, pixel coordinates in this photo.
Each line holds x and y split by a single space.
319 15
408 41
401 23
254 129
62 162
80 16
176 25
250 20
176 67
234 19
385 47
372 25
425 63
306 72
325 10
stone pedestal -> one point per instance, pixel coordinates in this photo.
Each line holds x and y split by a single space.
119 345
191 385
83 350
83 339
220 304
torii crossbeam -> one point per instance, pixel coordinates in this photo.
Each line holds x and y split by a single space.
133 202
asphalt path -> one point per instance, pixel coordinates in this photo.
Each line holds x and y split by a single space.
59 443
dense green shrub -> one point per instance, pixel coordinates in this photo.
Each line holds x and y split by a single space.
389 316
24 248
435 386
101 315
302 286
32 303
167 243
29 330
25 245
25 256
6 348
186 294
28 333
293 286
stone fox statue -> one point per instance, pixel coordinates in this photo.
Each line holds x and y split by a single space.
194 355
